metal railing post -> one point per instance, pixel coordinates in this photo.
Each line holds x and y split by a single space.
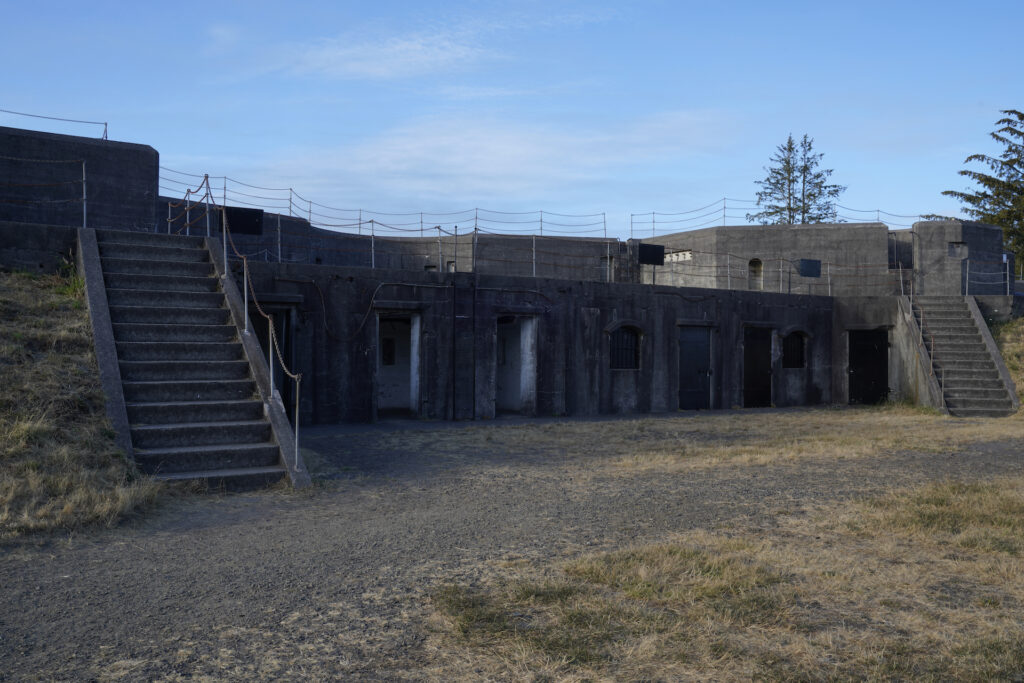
206 179
298 386
967 279
440 255
373 250
224 237
270 352
278 238
85 203
455 252
245 286
534 258
168 218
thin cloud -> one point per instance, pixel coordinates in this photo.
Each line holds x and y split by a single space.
388 58
470 160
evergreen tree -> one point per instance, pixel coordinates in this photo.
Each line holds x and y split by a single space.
796 190
999 199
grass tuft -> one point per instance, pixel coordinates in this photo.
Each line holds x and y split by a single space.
59 468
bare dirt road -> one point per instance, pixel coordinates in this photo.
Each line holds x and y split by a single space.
334 583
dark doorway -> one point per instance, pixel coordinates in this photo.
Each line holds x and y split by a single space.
694 368
869 366
757 367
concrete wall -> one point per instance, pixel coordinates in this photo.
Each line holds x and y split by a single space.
336 344
121 180
959 257
36 248
853 257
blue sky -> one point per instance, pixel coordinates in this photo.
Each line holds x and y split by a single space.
567 107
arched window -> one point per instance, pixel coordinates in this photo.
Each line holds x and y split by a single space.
794 350
624 348
755 277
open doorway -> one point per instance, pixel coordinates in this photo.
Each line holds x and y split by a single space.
694 367
515 385
398 366
757 367
868 366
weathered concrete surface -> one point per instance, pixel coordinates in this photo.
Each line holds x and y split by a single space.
335 342
36 248
122 180
91 271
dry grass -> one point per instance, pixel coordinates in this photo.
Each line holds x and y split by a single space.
59 468
702 440
924 584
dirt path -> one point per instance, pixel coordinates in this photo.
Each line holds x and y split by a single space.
333 583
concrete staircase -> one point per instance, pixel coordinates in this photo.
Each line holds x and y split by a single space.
971 383
191 401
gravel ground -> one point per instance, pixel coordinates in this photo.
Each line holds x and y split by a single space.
333 582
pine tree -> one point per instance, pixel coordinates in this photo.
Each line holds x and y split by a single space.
796 190
999 199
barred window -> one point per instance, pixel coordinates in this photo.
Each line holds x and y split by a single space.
793 350
624 349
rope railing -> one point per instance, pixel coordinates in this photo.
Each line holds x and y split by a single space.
273 347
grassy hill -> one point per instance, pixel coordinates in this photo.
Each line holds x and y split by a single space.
59 468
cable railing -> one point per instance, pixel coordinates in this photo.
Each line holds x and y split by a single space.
273 347
202 196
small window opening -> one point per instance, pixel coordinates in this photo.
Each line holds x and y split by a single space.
430 267
624 349
451 266
794 349
755 279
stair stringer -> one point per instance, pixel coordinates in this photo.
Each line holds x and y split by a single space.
923 358
993 350
91 270
273 407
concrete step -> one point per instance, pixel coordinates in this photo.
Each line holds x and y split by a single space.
170 412
140 332
206 458
946 337
981 412
148 239
142 252
177 370
965 393
179 350
170 314
163 283
142 297
189 390
200 434
179 268
229 480
980 403
955 383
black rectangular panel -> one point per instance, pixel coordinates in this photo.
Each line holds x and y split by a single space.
809 267
245 221
652 254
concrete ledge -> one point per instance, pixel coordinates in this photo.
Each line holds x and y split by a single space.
993 350
273 408
88 261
